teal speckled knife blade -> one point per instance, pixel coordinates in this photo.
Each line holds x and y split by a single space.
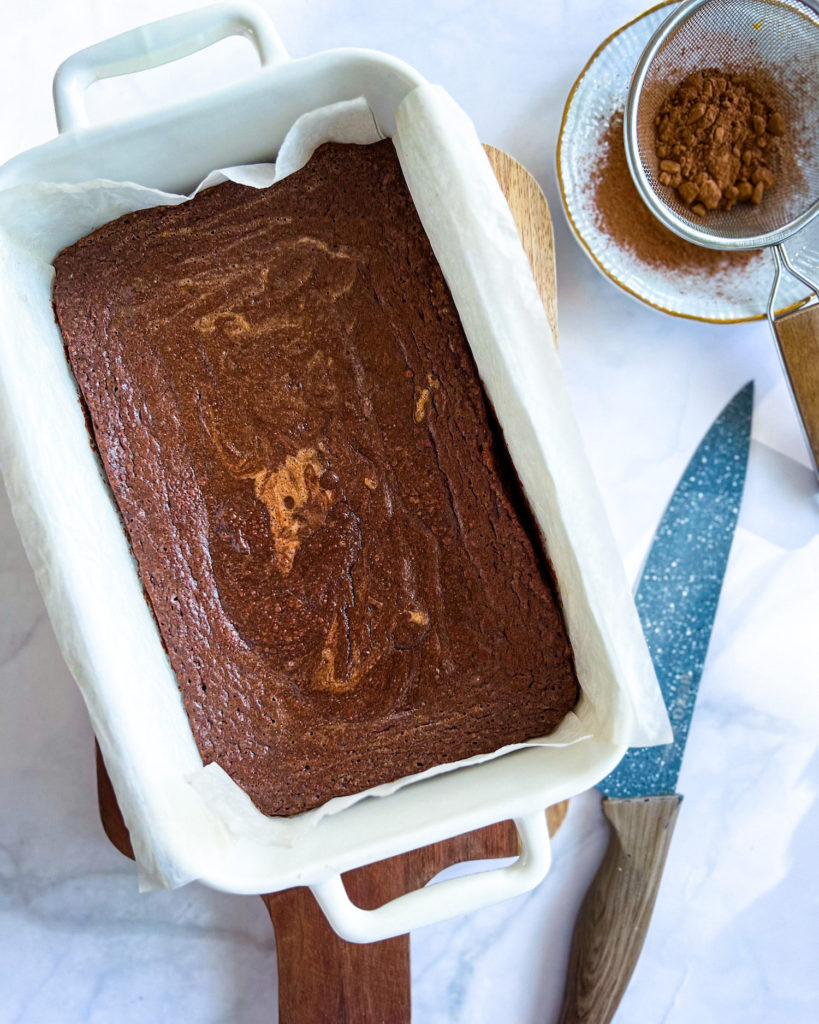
680 586
677 601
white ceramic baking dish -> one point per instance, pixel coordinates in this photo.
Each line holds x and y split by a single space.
173 149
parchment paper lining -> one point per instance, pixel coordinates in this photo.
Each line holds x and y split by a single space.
112 646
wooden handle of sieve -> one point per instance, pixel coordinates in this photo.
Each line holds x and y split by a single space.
797 334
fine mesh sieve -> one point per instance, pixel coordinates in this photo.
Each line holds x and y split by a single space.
775 44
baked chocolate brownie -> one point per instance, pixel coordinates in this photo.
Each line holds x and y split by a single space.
327 524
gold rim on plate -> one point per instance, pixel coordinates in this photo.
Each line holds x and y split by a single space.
578 233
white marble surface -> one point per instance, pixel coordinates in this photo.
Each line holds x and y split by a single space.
734 934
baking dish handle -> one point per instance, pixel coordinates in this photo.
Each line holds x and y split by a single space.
442 900
159 42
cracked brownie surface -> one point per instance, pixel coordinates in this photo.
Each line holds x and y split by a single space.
327 525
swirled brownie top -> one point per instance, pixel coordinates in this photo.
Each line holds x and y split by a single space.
325 518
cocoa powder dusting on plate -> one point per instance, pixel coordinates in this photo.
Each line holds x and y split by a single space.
621 214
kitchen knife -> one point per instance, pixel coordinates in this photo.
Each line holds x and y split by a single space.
676 599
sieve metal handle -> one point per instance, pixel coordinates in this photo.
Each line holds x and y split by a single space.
797 340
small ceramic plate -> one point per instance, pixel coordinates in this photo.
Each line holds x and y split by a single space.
737 293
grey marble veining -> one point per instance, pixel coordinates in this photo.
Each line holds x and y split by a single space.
733 933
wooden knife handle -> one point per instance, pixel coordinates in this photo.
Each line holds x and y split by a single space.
614 917
798 337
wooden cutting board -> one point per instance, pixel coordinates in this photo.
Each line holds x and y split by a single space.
322 978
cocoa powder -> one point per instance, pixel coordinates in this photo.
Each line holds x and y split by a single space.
717 139
621 214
